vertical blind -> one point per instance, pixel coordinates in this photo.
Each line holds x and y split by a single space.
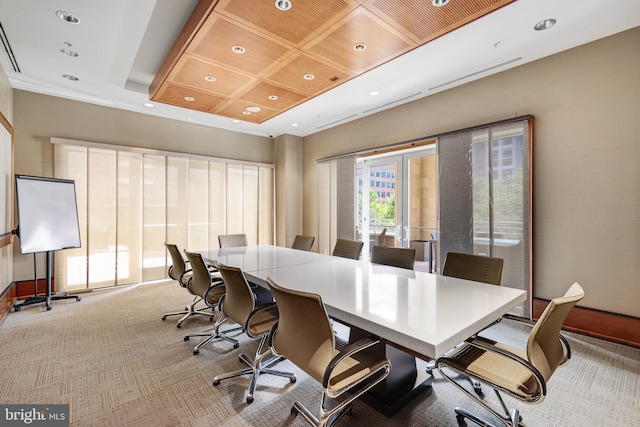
131 202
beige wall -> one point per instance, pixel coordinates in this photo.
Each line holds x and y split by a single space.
39 117
586 207
6 252
288 160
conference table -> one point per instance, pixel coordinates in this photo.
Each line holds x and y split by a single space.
415 314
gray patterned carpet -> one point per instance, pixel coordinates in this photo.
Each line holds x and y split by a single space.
116 363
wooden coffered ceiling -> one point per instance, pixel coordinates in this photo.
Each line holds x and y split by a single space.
292 56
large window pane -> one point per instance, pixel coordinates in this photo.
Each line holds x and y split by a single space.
198 205
154 218
129 249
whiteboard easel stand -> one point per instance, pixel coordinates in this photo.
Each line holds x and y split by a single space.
35 299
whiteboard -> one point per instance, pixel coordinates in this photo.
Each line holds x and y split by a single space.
47 214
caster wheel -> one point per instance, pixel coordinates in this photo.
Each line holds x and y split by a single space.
49 308
250 399
196 351
186 338
78 299
15 309
179 325
461 421
216 383
210 318
429 371
236 345
293 380
294 412
164 317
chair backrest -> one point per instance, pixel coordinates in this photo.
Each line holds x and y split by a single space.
380 238
347 248
544 347
308 343
394 256
200 280
239 300
232 240
304 243
178 266
473 267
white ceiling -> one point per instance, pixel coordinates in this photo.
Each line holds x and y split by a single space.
122 43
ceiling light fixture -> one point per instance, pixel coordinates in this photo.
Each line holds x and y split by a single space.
238 49
359 47
295 125
544 25
68 17
283 5
210 78
374 93
246 113
235 121
189 98
273 97
253 109
439 3
309 77
149 105
70 77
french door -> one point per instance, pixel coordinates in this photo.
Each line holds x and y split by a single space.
397 203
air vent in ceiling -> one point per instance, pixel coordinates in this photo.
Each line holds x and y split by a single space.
8 50
476 73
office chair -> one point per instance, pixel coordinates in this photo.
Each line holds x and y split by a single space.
179 272
211 289
345 375
478 268
393 256
304 243
239 305
237 240
348 248
521 374
473 267
232 240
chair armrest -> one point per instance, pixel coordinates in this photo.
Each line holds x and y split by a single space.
531 323
347 352
182 283
486 345
260 309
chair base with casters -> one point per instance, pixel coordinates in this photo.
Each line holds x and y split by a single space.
214 334
522 374
190 311
262 316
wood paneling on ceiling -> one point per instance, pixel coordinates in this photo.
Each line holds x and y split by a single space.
292 56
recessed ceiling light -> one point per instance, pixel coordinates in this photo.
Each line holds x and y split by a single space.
283 5
253 109
70 77
294 125
273 97
374 93
189 98
544 25
246 113
359 47
68 17
235 121
439 3
309 77
210 78
238 49
70 52
149 105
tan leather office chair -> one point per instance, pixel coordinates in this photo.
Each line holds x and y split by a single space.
348 248
179 272
522 374
211 289
310 344
303 243
232 240
393 256
239 305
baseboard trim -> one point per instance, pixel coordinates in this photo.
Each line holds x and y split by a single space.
600 324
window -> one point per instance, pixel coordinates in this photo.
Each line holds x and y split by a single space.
130 202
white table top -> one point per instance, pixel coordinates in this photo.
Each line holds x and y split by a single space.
426 313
